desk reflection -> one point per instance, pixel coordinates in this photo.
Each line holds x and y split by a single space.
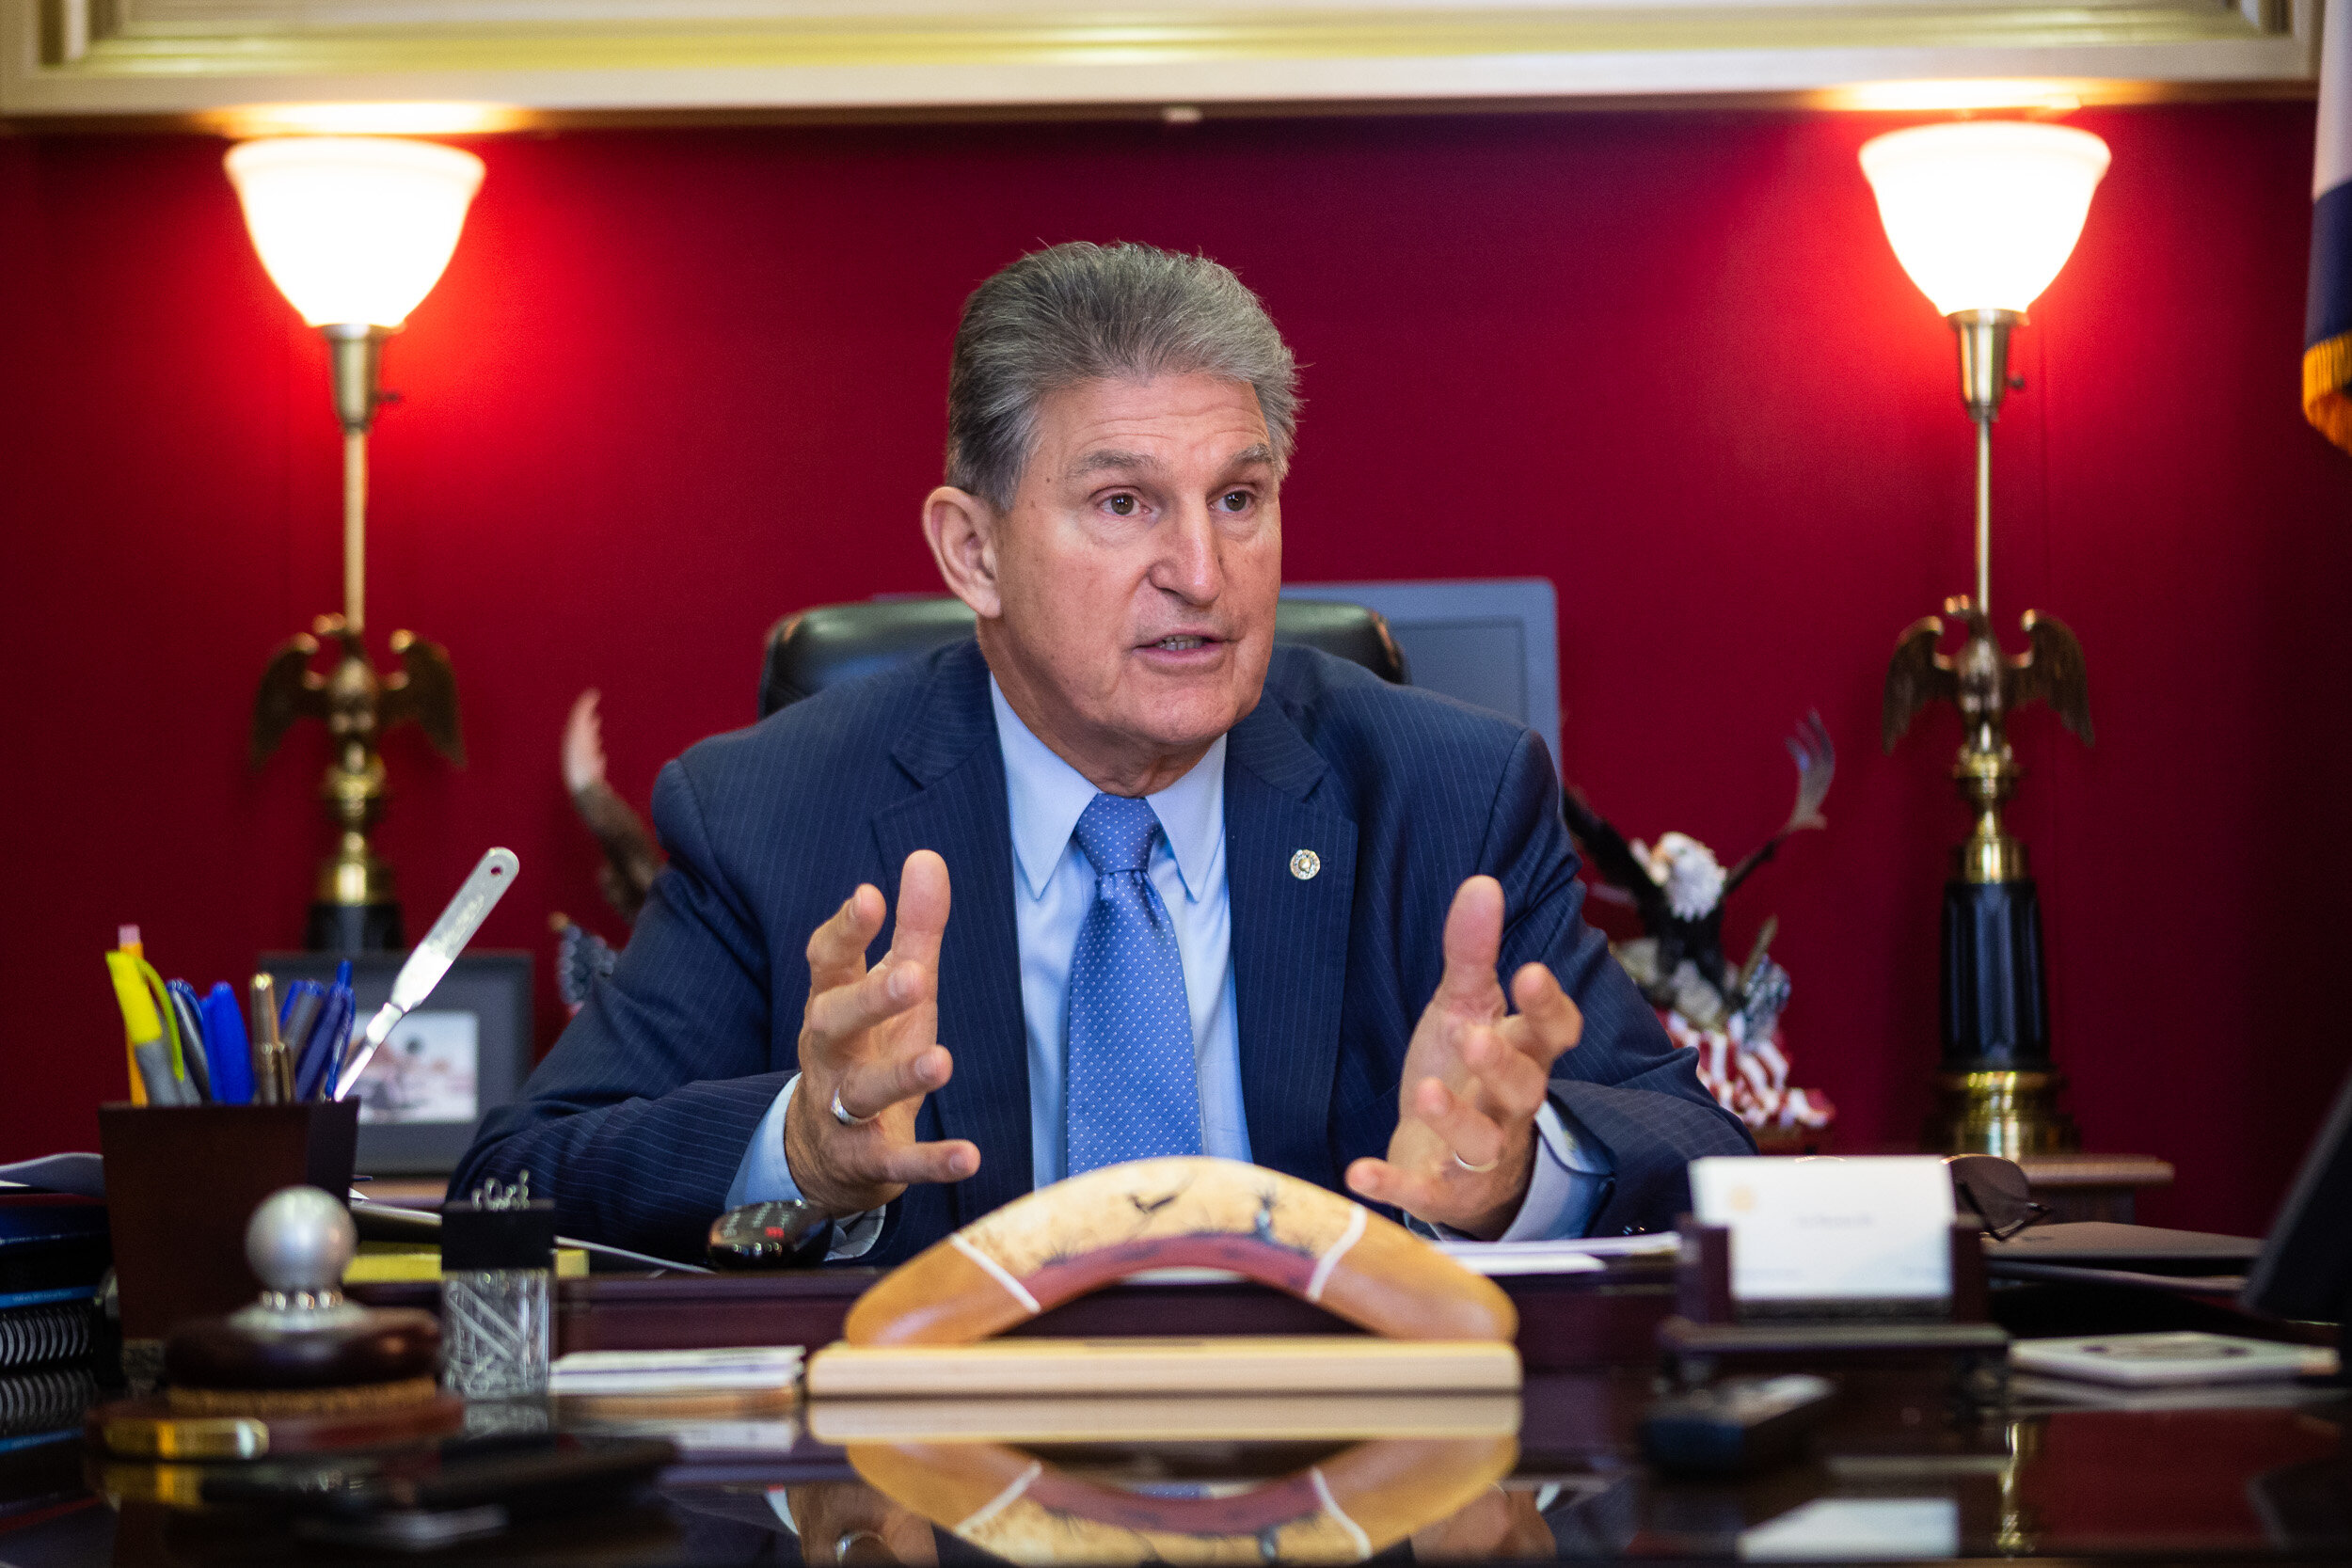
1893 1476
1897 1473
855 1525
1079 1505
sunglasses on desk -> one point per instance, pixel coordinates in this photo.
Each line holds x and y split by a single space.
1995 1191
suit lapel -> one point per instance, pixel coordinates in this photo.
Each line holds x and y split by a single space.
950 751
1289 938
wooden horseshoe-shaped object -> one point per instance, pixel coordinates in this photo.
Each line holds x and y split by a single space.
1079 1235
1346 1508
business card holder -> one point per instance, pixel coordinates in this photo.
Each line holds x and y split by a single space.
1713 1333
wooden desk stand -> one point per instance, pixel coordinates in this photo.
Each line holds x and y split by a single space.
1225 1364
1709 1334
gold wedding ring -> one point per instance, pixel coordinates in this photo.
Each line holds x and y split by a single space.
841 1115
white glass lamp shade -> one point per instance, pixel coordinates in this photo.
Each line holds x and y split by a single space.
1982 214
354 229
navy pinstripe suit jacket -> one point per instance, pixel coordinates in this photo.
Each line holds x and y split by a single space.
636 1122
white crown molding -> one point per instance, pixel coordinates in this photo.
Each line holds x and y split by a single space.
552 59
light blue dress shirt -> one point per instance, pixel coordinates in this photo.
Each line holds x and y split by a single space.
1055 887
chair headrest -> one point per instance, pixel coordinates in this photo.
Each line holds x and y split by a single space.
813 649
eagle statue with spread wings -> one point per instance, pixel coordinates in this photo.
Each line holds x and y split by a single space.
1984 682
1678 888
1730 1016
353 702
356 705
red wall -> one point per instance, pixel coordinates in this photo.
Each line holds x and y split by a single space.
676 383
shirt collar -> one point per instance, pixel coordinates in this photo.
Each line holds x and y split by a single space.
1046 797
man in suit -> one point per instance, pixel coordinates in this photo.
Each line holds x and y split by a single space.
1131 880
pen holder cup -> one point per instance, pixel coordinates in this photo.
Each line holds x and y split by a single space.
183 1181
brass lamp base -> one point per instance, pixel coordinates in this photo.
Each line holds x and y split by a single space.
2006 1113
354 909
347 929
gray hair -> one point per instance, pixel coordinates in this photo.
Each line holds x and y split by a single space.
1084 312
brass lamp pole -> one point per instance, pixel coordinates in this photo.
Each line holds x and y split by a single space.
1982 215
358 350
355 232
1983 385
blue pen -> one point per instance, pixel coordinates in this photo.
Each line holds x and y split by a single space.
340 1047
341 1044
321 1054
298 1015
226 1049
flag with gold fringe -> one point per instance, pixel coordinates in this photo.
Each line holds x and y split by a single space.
2327 314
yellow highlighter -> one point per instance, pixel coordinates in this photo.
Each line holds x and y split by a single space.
143 1036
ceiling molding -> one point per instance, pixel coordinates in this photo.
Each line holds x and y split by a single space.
111 60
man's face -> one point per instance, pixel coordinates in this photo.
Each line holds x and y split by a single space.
1137 571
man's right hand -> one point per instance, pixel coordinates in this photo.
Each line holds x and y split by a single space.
871 1038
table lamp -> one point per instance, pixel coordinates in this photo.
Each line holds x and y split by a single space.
355 232
1982 215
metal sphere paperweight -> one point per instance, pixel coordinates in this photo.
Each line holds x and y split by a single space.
298 1243
301 1351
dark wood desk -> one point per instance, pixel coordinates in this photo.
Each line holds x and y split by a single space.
1568 1322
2093 1186
1899 1470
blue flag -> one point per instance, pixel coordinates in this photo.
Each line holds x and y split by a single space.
2327 314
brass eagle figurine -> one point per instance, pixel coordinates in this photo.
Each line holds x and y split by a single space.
356 705
353 702
1986 684
1679 890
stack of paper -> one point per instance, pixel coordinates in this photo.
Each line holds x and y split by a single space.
1579 1256
2157 1360
756 1368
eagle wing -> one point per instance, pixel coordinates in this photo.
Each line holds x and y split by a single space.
289 692
2051 669
1611 855
426 690
1816 756
1915 676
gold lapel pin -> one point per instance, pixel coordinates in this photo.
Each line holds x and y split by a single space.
1305 864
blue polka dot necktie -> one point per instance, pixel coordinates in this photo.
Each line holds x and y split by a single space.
1133 1091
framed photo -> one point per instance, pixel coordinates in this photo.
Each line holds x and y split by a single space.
465 1052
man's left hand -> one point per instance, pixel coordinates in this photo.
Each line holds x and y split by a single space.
1475 1074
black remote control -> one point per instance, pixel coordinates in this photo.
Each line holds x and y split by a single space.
1741 1424
770 1236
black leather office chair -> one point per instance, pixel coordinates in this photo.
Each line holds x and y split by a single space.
830 643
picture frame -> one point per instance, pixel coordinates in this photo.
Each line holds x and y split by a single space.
463 1052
